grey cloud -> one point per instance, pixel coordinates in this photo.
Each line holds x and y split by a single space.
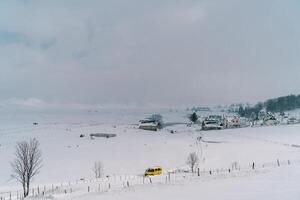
160 52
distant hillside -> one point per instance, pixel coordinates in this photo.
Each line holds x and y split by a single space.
280 104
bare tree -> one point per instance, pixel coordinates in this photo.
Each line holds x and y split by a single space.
27 163
20 164
98 169
192 161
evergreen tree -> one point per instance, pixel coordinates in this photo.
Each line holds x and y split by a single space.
193 117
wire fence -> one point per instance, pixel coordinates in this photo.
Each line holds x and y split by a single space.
119 182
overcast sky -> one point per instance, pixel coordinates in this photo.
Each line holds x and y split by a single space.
140 52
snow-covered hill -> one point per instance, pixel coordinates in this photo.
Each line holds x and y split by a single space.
69 158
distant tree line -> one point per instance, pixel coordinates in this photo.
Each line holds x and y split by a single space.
280 104
250 111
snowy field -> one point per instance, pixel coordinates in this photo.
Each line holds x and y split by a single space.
67 158
276 184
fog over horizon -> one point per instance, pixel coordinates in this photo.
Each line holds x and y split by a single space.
147 53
